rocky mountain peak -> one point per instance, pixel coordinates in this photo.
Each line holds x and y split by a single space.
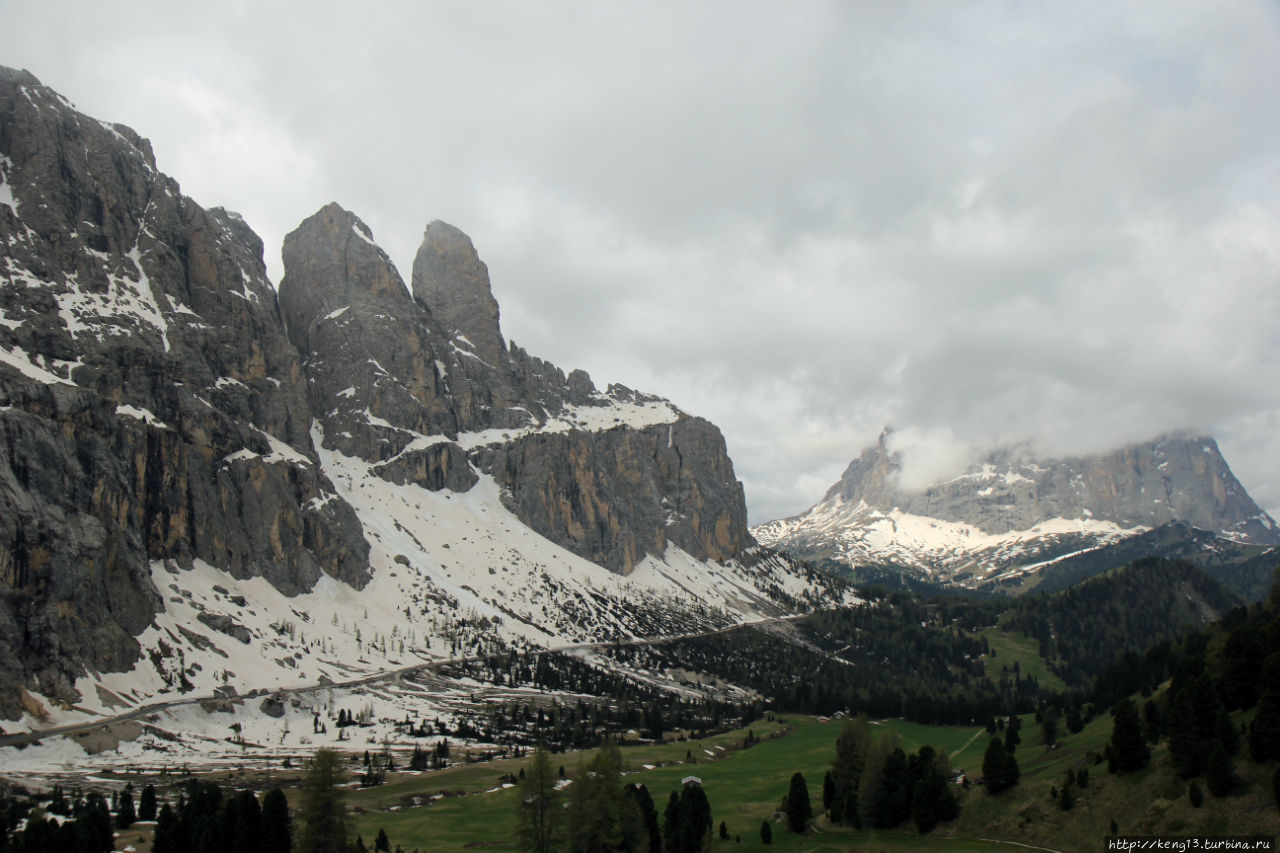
453 283
1012 508
334 253
872 476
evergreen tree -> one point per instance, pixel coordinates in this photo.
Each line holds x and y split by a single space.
1128 748
1066 799
643 836
1264 731
125 813
147 803
1185 743
382 842
277 827
852 748
1013 735
673 830
1219 774
999 768
766 834
1075 723
538 823
872 780
1049 724
799 809
242 823
1195 794
697 822
325 828
163 840
596 803
828 792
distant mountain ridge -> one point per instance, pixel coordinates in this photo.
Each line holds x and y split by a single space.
1009 513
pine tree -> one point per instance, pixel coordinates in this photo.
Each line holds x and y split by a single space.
999 768
164 838
147 803
766 834
644 835
1219 774
382 842
799 809
1195 794
1128 748
1264 731
852 749
125 814
596 802
325 827
538 825
242 823
673 829
277 827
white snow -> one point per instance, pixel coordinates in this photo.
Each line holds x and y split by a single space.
20 359
127 306
140 414
863 534
6 187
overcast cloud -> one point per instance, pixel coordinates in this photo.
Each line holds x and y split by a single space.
977 222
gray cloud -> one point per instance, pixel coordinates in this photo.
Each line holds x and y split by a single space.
1054 222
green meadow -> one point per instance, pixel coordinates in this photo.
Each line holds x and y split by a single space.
744 787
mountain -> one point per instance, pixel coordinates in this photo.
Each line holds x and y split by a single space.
208 488
1010 514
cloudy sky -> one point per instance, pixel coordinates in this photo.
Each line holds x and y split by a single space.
977 222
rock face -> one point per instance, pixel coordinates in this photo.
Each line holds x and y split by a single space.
423 386
160 407
449 276
150 406
1010 509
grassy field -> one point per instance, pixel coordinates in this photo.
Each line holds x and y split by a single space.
1009 647
464 809
744 786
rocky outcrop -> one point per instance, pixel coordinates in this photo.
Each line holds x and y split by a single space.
451 280
423 388
151 407
619 495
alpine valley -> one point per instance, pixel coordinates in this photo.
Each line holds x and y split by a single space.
210 490
240 520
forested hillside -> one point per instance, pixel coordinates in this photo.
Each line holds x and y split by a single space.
1080 630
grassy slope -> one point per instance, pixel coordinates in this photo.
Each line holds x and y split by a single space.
1012 646
745 786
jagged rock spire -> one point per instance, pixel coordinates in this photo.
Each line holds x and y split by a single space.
453 283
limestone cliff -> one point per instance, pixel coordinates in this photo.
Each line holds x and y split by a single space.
151 407
423 385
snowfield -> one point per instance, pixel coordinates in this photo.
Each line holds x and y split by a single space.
254 672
